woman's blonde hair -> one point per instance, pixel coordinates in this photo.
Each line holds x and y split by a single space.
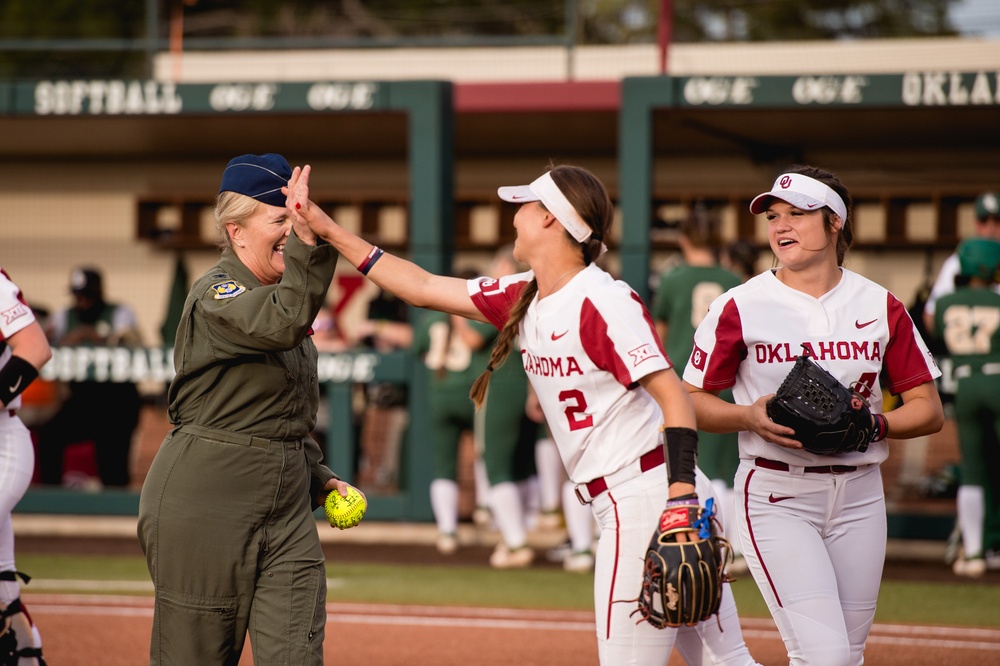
590 198
232 207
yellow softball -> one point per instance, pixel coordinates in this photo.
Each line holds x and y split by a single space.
345 512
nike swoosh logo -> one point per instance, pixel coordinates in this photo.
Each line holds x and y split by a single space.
16 384
858 324
556 337
812 205
774 500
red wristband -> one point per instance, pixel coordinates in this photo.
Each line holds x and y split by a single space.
369 261
881 430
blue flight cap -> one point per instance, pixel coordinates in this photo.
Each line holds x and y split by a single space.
260 177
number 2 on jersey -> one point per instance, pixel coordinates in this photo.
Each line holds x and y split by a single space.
576 409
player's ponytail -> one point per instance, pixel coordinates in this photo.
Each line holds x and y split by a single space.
504 342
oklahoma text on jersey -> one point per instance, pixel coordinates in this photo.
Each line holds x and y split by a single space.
822 351
547 366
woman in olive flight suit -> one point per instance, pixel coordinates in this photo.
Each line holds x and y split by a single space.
226 513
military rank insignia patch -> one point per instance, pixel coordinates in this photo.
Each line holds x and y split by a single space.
227 289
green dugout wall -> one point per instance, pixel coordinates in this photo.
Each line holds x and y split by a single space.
428 106
900 137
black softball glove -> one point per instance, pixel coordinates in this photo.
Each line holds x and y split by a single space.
682 580
827 417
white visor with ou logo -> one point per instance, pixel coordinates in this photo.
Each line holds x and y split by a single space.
803 192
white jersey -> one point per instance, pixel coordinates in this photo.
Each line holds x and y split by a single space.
14 315
584 349
858 331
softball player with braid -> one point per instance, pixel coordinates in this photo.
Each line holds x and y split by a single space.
24 349
604 383
812 527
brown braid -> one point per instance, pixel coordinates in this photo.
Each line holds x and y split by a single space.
501 348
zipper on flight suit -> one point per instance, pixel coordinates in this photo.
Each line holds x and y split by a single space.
290 376
277 493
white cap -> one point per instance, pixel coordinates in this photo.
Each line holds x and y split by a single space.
802 192
544 189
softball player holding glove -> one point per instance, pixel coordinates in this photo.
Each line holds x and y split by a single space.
812 527
605 385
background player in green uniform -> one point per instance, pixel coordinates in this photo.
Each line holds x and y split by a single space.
505 440
680 303
454 366
508 438
968 321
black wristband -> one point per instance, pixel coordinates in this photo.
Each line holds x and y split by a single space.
681 446
14 378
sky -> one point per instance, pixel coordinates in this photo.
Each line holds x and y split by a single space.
977 18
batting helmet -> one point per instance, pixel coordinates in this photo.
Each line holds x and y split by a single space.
979 257
987 205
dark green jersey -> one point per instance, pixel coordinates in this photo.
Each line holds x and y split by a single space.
968 321
451 362
682 301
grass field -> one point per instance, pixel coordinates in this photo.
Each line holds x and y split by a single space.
949 602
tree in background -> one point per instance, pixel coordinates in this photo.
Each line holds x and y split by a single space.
428 22
771 20
599 21
70 20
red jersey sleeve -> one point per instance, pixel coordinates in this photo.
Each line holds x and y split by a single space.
495 298
728 350
907 361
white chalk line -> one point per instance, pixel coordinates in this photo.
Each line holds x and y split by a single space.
932 637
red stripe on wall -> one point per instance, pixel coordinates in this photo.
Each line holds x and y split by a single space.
560 96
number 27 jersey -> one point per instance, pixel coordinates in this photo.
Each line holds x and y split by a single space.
584 349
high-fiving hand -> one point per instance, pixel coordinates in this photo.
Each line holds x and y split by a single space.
297 203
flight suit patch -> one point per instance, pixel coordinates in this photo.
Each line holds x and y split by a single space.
227 289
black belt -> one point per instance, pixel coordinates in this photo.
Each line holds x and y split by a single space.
818 469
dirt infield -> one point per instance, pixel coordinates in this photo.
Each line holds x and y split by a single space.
82 630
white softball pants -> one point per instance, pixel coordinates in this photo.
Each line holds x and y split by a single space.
815 544
627 514
17 463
